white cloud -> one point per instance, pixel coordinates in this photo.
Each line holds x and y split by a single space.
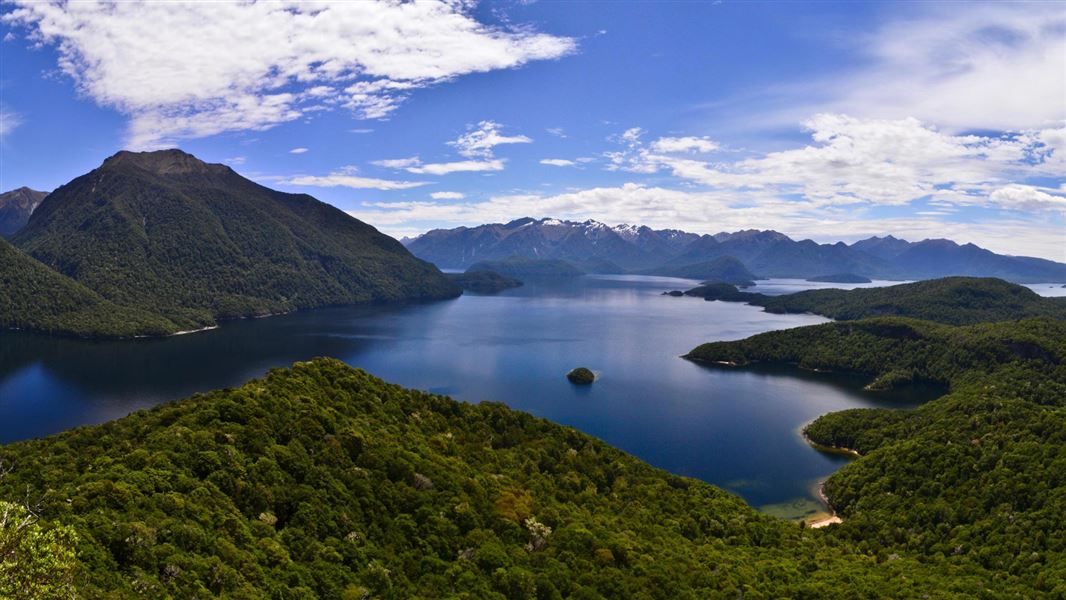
298 151
447 196
868 161
993 66
235 160
457 167
8 121
1026 197
397 163
349 177
193 69
714 211
361 130
557 162
557 131
479 142
670 145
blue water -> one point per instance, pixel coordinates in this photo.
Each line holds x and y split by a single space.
734 428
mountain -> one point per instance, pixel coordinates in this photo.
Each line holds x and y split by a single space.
34 297
518 267
763 252
585 244
16 207
724 269
321 481
195 242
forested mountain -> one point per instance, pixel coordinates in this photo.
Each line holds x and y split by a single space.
954 300
977 476
764 253
16 207
321 481
518 267
194 242
724 269
34 297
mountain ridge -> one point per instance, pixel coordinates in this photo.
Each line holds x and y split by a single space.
767 253
16 206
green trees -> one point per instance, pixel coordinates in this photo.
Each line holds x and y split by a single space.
37 561
312 483
976 477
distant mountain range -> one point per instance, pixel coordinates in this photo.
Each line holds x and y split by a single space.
16 207
166 234
599 248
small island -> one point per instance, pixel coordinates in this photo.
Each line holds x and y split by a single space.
581 376
483 282
841 278
520 266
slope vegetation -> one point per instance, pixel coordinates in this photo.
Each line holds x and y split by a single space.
977 476
34 297
321 481
194 242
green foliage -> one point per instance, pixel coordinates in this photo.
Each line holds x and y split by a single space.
581 376
954 300
321 481
37 562
32 296
168 235
483 282
976 478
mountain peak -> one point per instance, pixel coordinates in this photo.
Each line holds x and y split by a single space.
164 162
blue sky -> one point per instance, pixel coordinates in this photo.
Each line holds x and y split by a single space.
822 120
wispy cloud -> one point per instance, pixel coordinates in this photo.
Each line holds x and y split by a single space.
447 196
349 177
8 121
557 162
298 151
457 167
480 141
194 69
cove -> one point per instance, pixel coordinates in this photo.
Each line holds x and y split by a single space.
735 428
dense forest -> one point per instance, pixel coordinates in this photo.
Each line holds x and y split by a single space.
954 300
976 477
190 242
321 481
32 296
518 267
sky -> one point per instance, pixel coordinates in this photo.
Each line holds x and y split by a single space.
829 121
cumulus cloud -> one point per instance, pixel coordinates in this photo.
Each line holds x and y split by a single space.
447 196
866 161
670 145
349 177
298 151
193 69
479 142
557 162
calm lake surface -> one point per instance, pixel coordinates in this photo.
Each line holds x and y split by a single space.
738 429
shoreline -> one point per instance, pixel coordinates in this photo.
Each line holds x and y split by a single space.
831 517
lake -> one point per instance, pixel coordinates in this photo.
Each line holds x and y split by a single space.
738 429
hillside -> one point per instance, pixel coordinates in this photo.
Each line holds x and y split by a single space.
195 242
597 247
724 269
16 207
978 475
321 481
518 267
483 282
955 300
32 296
